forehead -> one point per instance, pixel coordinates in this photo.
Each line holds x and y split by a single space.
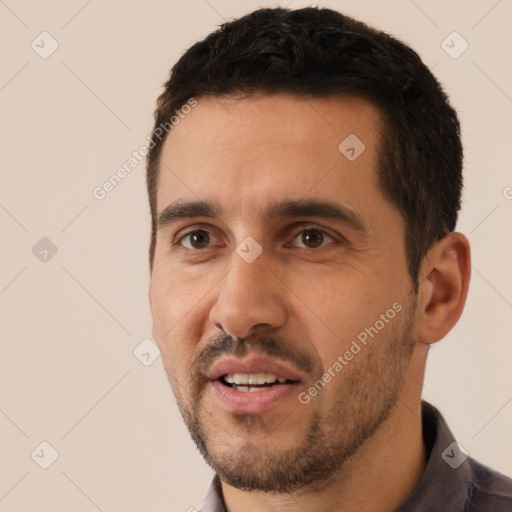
242 152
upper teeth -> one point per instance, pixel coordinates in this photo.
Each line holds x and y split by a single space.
253 378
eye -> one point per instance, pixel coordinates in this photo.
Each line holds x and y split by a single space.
197 240
312 238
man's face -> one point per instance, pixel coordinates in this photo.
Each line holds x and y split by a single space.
280 295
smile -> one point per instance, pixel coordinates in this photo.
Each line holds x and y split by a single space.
251 382
253 385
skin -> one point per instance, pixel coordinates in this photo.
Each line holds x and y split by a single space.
244 154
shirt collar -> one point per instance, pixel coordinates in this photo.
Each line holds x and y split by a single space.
213 501
444 485
447 479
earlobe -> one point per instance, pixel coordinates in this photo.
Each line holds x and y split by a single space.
443 288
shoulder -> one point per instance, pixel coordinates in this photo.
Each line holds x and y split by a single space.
490 490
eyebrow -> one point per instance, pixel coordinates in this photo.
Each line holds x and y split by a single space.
317 209
178 210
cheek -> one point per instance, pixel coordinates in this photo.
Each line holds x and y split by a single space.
334 311
180 311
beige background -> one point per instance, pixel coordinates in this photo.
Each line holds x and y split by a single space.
70 325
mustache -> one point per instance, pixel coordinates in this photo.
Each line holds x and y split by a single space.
262 344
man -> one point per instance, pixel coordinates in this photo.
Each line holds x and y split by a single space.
304 181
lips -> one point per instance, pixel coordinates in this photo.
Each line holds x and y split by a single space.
254 366
252 386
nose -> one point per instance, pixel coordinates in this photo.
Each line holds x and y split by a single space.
251 296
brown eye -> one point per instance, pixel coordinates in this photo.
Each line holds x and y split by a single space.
195 240
312 238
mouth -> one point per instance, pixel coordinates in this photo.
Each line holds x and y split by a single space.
254 385
252 382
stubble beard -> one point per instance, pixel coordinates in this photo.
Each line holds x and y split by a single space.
367 390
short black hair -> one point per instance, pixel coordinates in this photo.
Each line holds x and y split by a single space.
318 52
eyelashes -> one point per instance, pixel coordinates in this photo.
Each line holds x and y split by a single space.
308 238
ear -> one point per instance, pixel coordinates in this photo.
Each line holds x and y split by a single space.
444 282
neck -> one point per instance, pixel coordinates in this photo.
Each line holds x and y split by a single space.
378 478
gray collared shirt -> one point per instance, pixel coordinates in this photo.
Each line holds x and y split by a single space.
451 481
